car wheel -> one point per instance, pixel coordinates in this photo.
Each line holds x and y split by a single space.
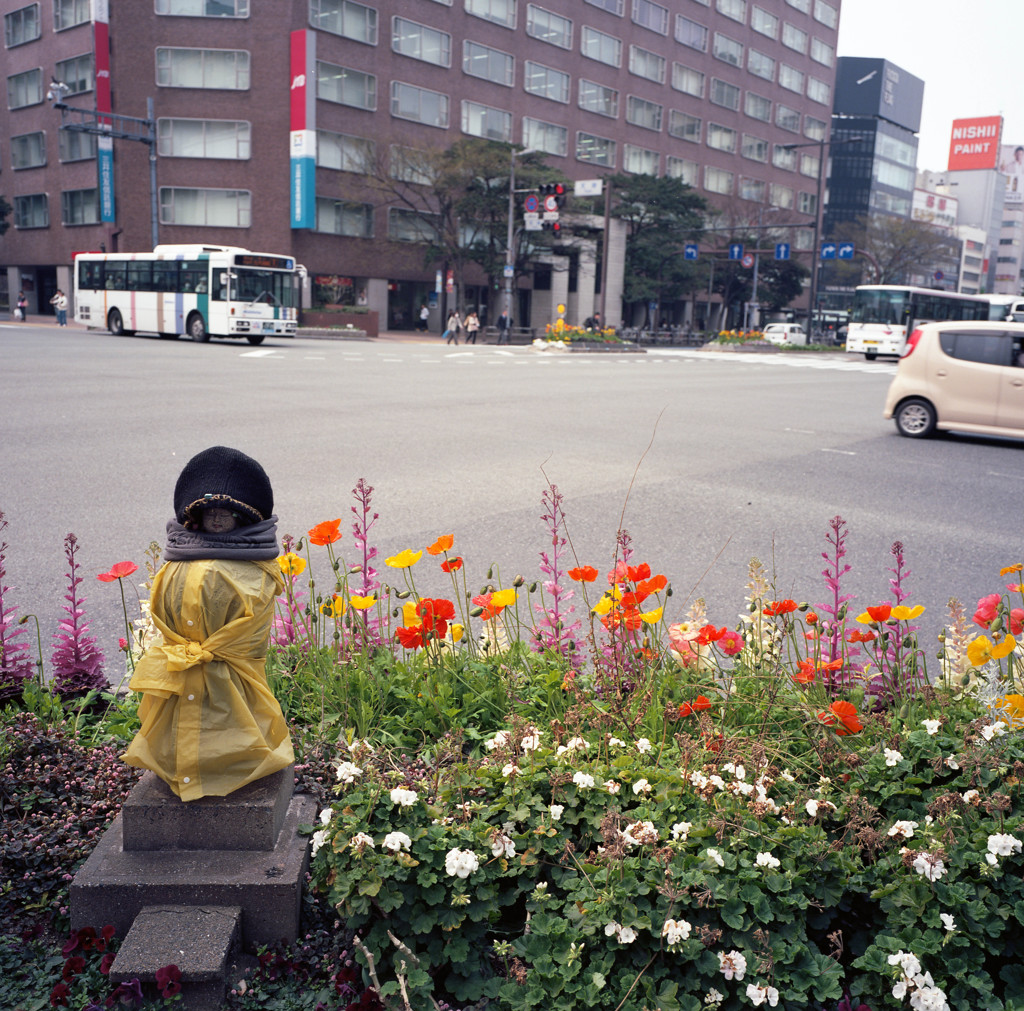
197 328
255 338
915 418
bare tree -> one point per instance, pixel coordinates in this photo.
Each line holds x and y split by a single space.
895 248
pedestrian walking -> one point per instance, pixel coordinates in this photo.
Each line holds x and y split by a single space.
452 328
424 317
60 304
472 327
504 327
21 307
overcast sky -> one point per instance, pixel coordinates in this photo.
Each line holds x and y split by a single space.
965 51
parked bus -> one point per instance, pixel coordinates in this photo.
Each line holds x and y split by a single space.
201 291
884 315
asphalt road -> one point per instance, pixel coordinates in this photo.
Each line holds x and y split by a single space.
706 458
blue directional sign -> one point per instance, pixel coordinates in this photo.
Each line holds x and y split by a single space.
828 250
845 251
736 251
691 251
781 250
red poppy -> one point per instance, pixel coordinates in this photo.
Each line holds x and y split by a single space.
410 637
730 643
583 574
812 618
856 636
777 607
441 545
653 585
880 613
709 634
685 709
988 607
435 614
452 564
490 608
714 744
805 672
118 571
325 533
635 573
846 714
631 600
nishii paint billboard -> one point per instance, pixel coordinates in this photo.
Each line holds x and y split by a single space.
974 143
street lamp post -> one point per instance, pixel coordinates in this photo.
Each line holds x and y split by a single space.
510 256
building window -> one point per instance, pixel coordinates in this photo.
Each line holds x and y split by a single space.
411 166
784 157
31 211
25 89
687 80
595 150
754 148
543 136
791 79
213 208
611 6
79 207
807 203
421 105
68 13
764 22
826 13
822 52
761 65
787 118
346 18
650 15
76 73
347 154
728 50
804 6
598 46
814 129
684 126
793 37
642 113
546 81
409 38
717 180
501 12
644 63
204 138
548 27
721 138
220 69
405 225
639 160
21 26
681 169
345 86
204 8
73 146
753 189
483 121
735 9
598 98
781 196
691 34
28 150
489 64
758 107
344 217
726 95
818 91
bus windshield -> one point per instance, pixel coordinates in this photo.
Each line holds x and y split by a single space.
273 287
879 307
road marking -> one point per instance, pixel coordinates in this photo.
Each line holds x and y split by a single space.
844 452
259 354
801 431
1016 477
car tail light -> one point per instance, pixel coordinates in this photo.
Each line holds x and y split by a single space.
911 344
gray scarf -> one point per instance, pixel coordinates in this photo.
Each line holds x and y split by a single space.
254 543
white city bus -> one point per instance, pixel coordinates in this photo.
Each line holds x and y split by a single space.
884 315
201 291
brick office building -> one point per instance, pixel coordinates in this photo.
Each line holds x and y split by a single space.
712 91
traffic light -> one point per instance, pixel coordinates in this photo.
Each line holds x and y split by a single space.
556 190
552 226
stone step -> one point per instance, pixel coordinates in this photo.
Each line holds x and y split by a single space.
197 939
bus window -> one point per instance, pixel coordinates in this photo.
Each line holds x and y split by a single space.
115 275
165 276
140 275
193 272
90 274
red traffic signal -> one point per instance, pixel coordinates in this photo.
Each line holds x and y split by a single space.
556 190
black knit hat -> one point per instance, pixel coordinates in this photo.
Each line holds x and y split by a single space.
223 478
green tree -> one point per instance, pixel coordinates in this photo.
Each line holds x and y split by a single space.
894 248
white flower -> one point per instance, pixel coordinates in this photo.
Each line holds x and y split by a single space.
713 997
698 780
583 780
501 737
326 815
767 860
347 772
680 830
971 797
892 757
502 846
951 762
319 838
932 726
556 811
762 995
616 742
675 931
1001 845
612 787
947 921
573 744
717 782
641 786
461 863
403 798
510 770
997 729
530 743
787 776
716 856
907 961
904 828
643 745
929 866
610 929
812 807
640 833
733 964
627 935
361 841
740 772
395 842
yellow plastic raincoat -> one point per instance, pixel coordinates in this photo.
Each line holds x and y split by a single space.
210 723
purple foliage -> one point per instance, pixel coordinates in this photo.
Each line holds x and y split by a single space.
833 572
77 661
369 584
15 665
551 631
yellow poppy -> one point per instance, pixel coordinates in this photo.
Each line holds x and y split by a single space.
457 632
1013 706
503 598
409 615
652 617
292 564
335 607
603 606
903 613
981 650
404 559
362 603
1011 568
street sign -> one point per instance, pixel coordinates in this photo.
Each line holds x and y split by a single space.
939 275
691 251
781 250
748 260
531 222
828 250
845 251
588 187
508 270
530 204
736 251
551 204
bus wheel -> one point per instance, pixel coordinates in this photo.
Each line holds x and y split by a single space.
255 338
915 418
870 355
196 328
115 324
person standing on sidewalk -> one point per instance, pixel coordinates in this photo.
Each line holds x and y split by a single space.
21 307
472 327
504 327
424 317
60 303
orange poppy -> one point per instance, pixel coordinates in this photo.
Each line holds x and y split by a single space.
856 636
118 571
846 714
880 613
777 607
805 672
709 634
452 564
583 574
634 573
653 585
812 618
325 533
442 544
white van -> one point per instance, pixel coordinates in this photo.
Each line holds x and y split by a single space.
784 333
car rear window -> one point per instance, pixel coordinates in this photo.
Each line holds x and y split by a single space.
984 348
